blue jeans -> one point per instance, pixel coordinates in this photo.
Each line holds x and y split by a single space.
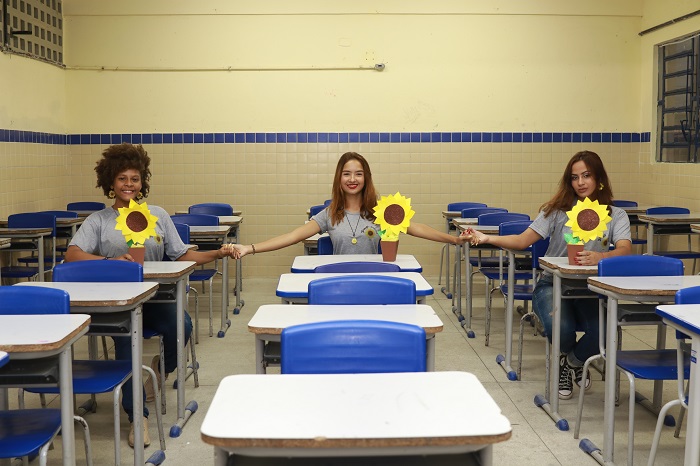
162 318
576 315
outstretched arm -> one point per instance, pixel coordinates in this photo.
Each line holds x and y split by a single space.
278 242
515 242
421 230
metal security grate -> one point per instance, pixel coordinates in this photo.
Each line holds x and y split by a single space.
33 28
678 130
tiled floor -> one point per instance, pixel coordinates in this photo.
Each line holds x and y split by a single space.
535 440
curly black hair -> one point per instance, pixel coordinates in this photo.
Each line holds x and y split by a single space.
119 158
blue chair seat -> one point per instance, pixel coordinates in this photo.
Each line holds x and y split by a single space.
21 434
94 376
17 271
653 365
521 291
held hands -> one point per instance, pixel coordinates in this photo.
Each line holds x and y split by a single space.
239 250
228 249
474 237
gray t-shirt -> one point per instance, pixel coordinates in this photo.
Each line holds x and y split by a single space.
552 227
352 225
97 235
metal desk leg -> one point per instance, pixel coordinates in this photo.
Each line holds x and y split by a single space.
259 351
506 361
550 401
183 413
607 456
65 370
225 321
650 239
430 353
692 447
137 382
40 262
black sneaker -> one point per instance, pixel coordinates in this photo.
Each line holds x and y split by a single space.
578 375
566 383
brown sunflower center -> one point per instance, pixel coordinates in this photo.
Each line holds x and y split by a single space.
394 214
588 219
136 222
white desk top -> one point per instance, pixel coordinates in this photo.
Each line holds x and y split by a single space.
273 318
167 269
286 413
40 334
645 286
304 264
186 211
198 230
670 219
488 229
296 285
686 316
25 232
5 242
562 265
230 220
104 297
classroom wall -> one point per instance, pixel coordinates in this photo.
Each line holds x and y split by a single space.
456 71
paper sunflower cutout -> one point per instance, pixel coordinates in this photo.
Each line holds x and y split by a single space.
588 220
393 214
136 223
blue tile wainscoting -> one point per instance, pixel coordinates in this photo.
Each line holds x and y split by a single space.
12 135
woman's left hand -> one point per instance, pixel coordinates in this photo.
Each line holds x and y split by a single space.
589 257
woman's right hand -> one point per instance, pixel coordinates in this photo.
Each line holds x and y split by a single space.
123 257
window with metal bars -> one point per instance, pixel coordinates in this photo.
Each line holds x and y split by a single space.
33 28
678 117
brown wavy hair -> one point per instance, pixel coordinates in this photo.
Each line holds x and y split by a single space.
566 196
336 211
119 158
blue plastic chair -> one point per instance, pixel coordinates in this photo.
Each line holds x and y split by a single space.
683 296
635 223
199 275
314 209
362 289
327 202
660 230
30 220
656 364
26 432
325 246
444 253
494 269
352 347
211 208
111 272
357 267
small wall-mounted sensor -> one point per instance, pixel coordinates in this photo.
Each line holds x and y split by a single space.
379 66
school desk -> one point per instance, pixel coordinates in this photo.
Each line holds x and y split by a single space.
29 337
353 415
307 264
35 234
653 221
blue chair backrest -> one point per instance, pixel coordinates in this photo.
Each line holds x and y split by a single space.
622 203
362 289
314 209
183 230
324 246
476 211
98 271
33 300
667 210
497 218
357 267
639 266
688 295
327 202
353 346
32 220
537 249
60 213
211 208
85 205
202 220
460 206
